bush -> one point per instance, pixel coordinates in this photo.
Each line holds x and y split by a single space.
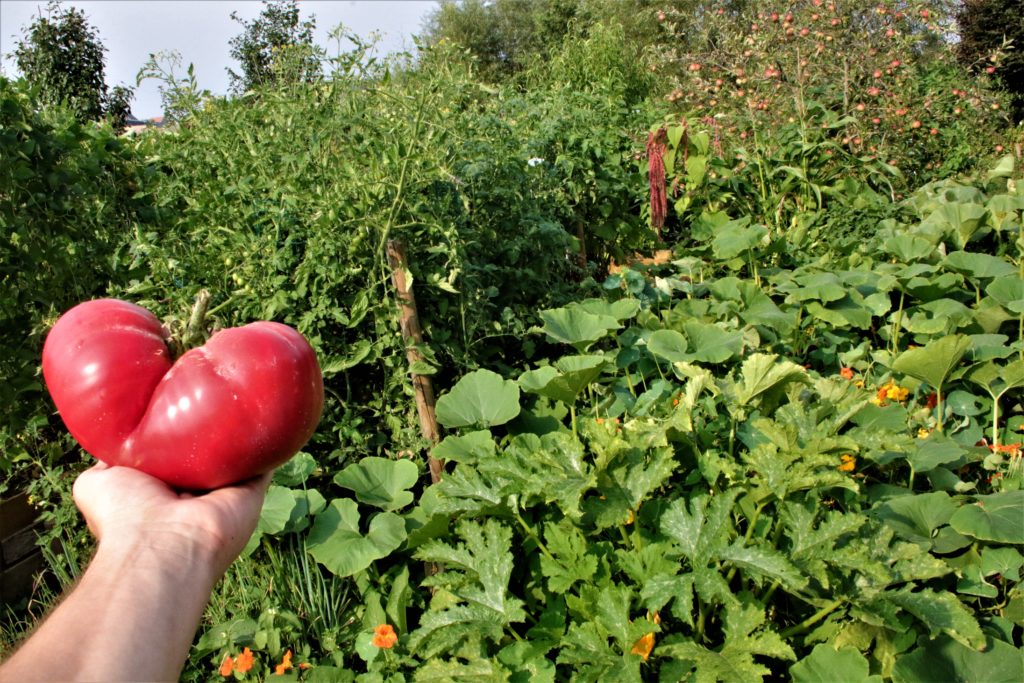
880 78
67 202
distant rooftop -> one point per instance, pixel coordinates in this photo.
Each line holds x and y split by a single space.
134 125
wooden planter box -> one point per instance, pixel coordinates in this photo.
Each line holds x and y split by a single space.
20 557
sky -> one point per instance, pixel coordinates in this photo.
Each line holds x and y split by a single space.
200 30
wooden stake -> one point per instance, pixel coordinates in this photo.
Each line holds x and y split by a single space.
412 334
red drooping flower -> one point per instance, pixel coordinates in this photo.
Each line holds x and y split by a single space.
656 141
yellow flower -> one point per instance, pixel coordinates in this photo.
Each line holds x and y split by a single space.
896 393
923 433
643 646
890 392
849 463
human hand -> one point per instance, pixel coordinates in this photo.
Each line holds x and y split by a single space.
127 510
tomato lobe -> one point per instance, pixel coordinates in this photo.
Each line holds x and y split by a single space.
236 407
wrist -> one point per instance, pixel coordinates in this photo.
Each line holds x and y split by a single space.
171 555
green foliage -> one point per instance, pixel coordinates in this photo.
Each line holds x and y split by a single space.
67 201
179 97
504 37
991 39
785 127
62 57
788 446
275 47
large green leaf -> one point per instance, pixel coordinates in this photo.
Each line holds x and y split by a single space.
575 326
622 309
824 287
336 542
934 362
998 517
764 372
736 237
703 343
476 577
944 659
960 221
997 379
563 382
481 398
380 482
1009 292
941 612
668 344
934 451
711 343
917 517
467 448
826 664
908 248
979 266
746 637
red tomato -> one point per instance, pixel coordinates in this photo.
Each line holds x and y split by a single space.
237 407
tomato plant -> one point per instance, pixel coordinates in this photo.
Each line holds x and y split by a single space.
238 406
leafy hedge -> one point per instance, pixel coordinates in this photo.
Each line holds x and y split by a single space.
67 203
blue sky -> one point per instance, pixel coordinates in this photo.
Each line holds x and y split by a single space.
200 31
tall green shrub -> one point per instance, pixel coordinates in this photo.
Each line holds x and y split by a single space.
66 204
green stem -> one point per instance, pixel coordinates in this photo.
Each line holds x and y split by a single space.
995 420
195 333
532 534
625 537
897 324
746 537
629 382
399 199
701 617
939 410
572 415
811 620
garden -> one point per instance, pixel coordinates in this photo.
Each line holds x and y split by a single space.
726 335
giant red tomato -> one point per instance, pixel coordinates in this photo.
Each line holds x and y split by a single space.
236 407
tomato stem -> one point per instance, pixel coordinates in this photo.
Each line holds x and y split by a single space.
195 332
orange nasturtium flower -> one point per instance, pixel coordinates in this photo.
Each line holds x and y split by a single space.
241 664
891 392
643 646
846 373
384 636
286 663
849 463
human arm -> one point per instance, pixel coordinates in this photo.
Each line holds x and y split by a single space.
133 614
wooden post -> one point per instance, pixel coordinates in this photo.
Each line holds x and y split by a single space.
412 334
581 236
